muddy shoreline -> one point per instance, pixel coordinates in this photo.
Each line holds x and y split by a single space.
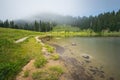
79 70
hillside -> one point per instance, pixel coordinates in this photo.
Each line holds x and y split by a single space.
26 60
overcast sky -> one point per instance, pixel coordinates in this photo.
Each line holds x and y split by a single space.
16 9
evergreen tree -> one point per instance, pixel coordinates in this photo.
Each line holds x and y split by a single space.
6 24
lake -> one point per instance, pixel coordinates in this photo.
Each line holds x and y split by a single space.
103 51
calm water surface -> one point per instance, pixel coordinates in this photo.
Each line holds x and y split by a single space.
104 50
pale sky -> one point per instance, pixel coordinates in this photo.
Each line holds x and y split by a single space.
17 9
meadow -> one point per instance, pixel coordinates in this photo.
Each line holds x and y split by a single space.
14 56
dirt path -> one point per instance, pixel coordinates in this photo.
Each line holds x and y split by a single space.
38 40
21 40
31 68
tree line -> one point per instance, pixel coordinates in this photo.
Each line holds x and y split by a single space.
35 26
109 21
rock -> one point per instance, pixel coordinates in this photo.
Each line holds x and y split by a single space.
91 66
102 72
73 44
92 70
102 76
111 78
87 61
86 56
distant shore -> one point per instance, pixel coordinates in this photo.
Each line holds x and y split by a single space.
82 34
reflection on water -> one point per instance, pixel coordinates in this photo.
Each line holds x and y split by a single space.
104 50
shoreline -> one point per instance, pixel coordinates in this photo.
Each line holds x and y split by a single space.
75 69
82 69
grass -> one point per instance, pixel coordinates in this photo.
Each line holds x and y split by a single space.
44 75
14 56
57 69
55 56
70 31
53 73
83 34
49 48
40 61
26 73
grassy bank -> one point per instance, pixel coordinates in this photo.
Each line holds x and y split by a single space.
70 31
82 34
14 56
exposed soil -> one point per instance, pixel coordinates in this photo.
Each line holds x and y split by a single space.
31 68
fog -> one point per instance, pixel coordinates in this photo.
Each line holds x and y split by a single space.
17 9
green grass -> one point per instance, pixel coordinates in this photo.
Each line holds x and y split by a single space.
53 73
57 69
49 48
83 34
40 61
14 56
44 75
55 56
26 74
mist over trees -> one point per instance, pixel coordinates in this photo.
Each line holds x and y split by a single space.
35 26
109 21
106 21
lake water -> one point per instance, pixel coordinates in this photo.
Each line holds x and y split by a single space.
104 51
